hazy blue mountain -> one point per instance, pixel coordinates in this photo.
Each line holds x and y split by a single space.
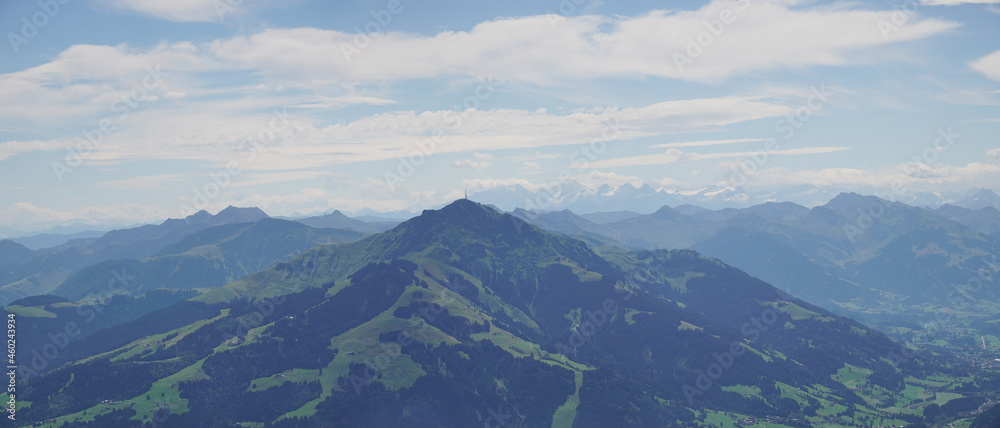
464 314
856 254
648 197
144 241
53 266
208 258
984 220
804 194
569 224
666 228
980 199
12 252
49 240
610 217
337 220
117 291
864 256
783 266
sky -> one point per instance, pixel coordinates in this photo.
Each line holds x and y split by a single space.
134 111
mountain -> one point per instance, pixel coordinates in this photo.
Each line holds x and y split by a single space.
984 220
567 223
12 252
49 240
665 228
857 255
649 197
51 267
117 291
466 316
144 241
981 199
610 217
864 256
209 258
337 220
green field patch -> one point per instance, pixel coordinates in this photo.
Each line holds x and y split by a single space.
788 391
688 326
744 390
713 418
767 358
831 409
19 404
293 375
851 376
943 397
566 413
799 313
631 313
337 286
30 311
150 344
679 284
929 381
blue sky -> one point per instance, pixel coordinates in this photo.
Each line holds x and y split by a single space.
139 110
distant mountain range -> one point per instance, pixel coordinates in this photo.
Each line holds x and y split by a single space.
646 198
198 251
467 316
857 255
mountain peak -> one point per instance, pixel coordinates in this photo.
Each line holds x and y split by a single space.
850 202
981 199
462 221
667 212
232 215
464 209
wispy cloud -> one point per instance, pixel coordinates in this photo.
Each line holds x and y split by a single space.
527 49
478 163
146 182
262 178
957 2
988 65
674 156
705 143
179 10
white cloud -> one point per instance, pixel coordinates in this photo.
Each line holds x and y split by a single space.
988 65
146 182
705 143
931 178
180 10
14 148
994 154
479 162
218 131
262 178
527 49
323 102
596 179
957 2
674 155
531 167
480 184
